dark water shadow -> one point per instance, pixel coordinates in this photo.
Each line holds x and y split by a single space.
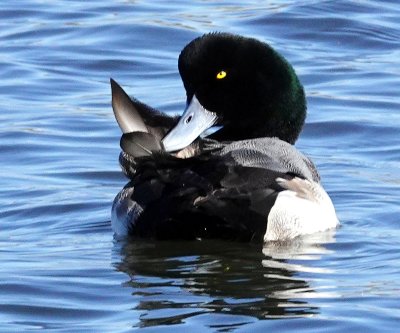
174 281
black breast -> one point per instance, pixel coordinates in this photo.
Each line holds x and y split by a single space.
226 192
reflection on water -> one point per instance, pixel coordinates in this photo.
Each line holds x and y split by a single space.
226 278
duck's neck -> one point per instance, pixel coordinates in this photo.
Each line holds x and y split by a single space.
287 129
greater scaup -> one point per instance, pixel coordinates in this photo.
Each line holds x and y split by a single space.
246 181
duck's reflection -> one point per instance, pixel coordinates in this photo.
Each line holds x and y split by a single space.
173 281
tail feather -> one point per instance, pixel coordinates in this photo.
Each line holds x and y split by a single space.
138 144
137 140
126 114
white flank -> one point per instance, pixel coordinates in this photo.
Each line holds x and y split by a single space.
302 208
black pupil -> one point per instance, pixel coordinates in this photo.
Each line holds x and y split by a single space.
188 119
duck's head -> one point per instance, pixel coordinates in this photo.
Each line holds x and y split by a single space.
240 84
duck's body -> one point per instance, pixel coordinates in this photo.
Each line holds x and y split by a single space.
228 191
253 186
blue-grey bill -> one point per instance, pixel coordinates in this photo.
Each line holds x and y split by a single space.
194 121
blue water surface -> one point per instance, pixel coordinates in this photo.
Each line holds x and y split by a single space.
62 271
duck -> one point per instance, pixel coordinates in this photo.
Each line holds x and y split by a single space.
227 168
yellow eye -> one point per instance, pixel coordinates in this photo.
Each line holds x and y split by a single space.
221 75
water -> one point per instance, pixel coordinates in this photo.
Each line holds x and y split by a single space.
61 270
